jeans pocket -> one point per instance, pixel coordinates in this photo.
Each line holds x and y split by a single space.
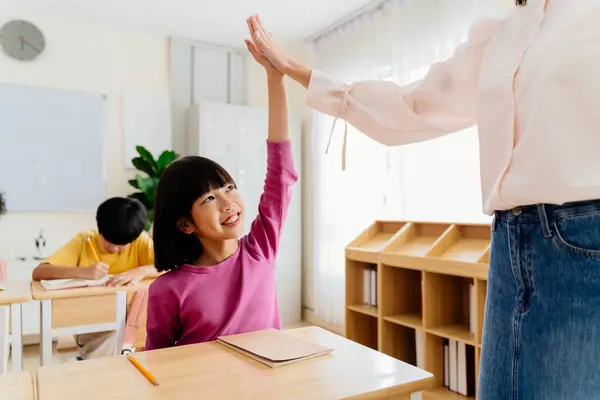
579 234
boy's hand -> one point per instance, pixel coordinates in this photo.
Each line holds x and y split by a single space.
262 60
130 277
94 271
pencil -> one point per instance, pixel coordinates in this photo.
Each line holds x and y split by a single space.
93 249
143 370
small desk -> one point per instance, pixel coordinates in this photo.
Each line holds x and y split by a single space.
81 310
17 386
211 371
11 300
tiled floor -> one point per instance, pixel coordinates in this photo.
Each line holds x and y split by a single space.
31 358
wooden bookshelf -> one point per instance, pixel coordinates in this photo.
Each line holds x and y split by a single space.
431 287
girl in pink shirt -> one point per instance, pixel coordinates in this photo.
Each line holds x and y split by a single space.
218 284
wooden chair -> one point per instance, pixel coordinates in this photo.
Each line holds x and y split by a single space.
135 329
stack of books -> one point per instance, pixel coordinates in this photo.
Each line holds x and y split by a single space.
459 358
370 286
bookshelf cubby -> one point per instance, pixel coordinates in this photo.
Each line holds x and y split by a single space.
431 283
402 291
399 342
446 301
362 328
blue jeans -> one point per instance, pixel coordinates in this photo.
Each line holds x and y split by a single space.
541 334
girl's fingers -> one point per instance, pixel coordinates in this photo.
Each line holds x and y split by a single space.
257 27
260 24
259 42
253 51
263 32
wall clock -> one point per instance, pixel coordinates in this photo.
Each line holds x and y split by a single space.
22 40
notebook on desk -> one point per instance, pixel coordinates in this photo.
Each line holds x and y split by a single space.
272 347
56 284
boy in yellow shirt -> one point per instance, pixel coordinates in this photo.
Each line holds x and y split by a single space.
125 252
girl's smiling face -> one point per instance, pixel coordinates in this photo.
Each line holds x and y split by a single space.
217 215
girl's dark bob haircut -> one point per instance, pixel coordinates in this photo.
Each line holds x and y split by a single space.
180 185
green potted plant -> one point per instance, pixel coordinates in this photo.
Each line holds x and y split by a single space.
151 169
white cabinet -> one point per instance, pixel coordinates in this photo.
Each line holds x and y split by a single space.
235 137
203 72
210 74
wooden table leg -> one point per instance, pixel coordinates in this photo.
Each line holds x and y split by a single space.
45 332
16 324
4 329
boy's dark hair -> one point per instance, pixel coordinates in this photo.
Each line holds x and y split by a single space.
180 185
2 204
121 220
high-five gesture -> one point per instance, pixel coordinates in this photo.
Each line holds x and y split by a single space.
265 44
262 60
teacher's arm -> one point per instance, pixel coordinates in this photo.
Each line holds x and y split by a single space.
444 101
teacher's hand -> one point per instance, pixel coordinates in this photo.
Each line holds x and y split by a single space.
265 44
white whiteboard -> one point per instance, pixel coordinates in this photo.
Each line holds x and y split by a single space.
51 149
146 122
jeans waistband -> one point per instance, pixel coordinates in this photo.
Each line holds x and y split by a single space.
547 213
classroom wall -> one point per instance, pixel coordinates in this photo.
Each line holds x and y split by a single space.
257 96
87 57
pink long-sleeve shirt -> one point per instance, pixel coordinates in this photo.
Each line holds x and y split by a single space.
196 304
529 81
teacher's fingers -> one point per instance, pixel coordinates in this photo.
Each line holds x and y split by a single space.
260 24
250 26
258 30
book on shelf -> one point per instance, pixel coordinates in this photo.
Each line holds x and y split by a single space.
453 371
419 346
370 286
446 364
366 286
472 313
373 273
466 369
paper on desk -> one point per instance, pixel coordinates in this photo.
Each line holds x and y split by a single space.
55 284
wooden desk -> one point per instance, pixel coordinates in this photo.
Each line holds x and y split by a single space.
17 386
81 310
211 371
11 299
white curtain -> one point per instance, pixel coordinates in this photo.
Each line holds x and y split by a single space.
437 180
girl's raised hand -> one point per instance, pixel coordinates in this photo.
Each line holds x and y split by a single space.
262 60
265 45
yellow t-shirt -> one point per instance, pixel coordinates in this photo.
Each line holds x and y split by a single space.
77 253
